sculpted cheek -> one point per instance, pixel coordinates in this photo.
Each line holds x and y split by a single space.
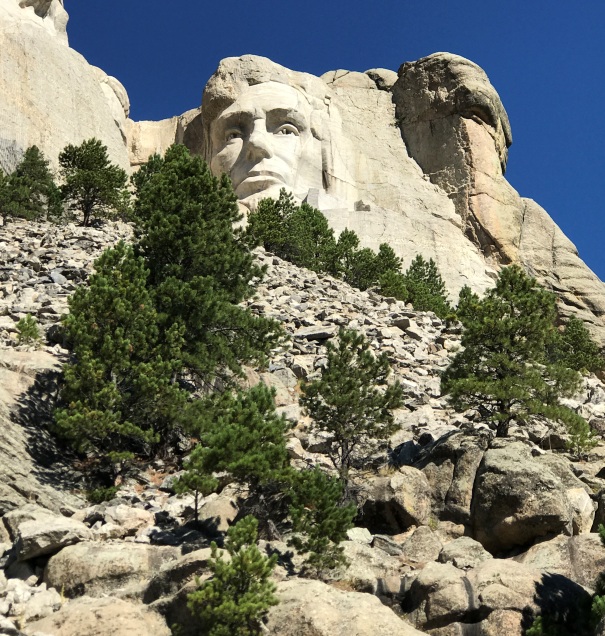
226 158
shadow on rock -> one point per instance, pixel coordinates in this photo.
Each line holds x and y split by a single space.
52 460
563 605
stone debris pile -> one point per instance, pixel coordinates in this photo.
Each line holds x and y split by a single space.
40 266
458 529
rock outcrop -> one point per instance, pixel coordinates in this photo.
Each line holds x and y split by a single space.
49 95
382 140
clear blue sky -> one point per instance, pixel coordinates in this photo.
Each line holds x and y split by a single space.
546 59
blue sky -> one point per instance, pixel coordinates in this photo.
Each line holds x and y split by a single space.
546 60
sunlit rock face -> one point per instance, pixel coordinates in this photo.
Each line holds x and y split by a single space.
415 158
49 95
333 142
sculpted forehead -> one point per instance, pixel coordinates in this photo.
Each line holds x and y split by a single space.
264 98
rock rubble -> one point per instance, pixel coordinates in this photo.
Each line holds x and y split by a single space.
455 529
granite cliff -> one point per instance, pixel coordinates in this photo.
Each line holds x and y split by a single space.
416 158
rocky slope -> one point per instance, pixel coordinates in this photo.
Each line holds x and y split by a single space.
459 532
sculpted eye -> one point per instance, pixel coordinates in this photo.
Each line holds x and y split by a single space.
233 134
287 129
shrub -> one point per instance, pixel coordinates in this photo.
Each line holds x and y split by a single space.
575 349
320 519
425 287
28 331
238 596
30 191
346 403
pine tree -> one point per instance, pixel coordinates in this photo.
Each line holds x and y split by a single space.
574 348
92 185
234 601
467 303
320 519
240 434
200 266
30 191
347 403
298 234
503 370
119 396
426 289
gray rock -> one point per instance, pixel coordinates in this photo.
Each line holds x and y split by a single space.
102 617
98 569
394 502
312 608
517 500
48 534
464 553
422 546
317 332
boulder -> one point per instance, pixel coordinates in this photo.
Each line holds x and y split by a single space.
96 569
464 553
369 569
102 617
497 594
129 519
580 558
450 465
312 608
423 545
48 534
36 531
517 499
394 502
174 574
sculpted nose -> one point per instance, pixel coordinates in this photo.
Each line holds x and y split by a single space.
259 142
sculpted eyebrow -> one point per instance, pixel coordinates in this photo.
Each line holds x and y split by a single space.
236 118
288 114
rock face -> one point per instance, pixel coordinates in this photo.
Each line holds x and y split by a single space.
416 159
49 95
455 127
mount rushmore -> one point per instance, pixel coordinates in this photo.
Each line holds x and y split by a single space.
415 158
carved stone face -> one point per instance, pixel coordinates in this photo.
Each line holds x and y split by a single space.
263 141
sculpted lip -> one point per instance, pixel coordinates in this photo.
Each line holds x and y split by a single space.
256 180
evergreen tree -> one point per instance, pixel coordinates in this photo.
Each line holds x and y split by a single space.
234 601
503 369
393 284
91 183
119 393
240 434
298 234
467 303
320 519
142 176
426 289
574 348
200 266
30 191
346 403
